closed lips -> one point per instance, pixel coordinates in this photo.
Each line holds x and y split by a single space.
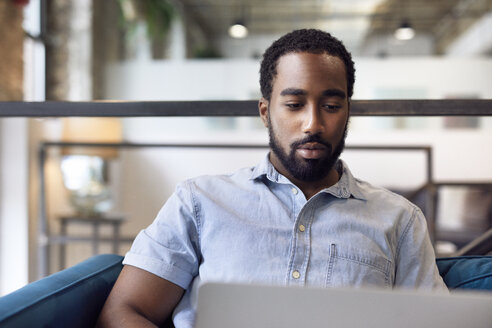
312 146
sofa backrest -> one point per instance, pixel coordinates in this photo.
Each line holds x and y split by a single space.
70 298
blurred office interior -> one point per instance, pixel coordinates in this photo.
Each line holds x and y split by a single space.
175 50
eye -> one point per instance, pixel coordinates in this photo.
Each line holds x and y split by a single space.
331 107
294 106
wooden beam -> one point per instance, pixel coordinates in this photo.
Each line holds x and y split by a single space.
445 107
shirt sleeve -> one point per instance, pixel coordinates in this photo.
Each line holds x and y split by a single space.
169 247
416 261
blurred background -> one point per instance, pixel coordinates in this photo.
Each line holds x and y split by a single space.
97 199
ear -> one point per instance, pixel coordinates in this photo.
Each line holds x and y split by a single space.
263 109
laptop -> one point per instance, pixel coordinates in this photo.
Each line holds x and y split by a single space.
247 306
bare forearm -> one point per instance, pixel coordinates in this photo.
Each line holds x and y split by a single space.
139 299
123 317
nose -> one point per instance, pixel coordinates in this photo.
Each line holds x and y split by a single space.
313 122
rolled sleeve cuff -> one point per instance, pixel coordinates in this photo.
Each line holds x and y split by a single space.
161 269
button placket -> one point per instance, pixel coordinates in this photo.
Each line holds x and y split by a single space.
300 252
301 246
299 256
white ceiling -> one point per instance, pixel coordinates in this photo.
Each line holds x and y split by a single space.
353 21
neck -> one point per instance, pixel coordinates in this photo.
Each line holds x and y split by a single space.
309 189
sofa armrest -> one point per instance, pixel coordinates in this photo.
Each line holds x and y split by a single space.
466 272
70 298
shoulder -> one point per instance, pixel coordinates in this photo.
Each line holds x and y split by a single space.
392 208
383 196
211 183
372 194
404 221
214 195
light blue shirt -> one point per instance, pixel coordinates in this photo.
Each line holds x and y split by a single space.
255 226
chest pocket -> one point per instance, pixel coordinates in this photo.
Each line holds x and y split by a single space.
352 267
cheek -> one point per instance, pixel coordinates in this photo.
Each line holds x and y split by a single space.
278 125
284 133
337 127
279 132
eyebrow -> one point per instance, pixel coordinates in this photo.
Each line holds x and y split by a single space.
301 92
293 92
334 93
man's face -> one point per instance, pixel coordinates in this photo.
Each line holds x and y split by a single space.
307 115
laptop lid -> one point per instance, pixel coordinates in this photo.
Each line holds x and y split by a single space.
247 306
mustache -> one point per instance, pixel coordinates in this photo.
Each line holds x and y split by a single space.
310 138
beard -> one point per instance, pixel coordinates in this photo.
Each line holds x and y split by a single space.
308 170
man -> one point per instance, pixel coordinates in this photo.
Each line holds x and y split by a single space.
298 218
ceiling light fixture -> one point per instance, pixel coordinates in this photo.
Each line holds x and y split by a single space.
405 31
238 30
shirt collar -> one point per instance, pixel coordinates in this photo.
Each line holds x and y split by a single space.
265 168
346 187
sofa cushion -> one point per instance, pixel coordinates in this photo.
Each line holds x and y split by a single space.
70 298
466 272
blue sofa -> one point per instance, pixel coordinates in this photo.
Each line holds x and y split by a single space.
74 297
70 298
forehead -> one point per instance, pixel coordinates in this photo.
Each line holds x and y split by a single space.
307 70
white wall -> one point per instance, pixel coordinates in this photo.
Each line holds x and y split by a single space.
13 204
434 77
431 77
206 79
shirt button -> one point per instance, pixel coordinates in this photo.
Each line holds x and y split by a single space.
302 228
296 274
294 191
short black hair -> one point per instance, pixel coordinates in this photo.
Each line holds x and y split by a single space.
304 40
